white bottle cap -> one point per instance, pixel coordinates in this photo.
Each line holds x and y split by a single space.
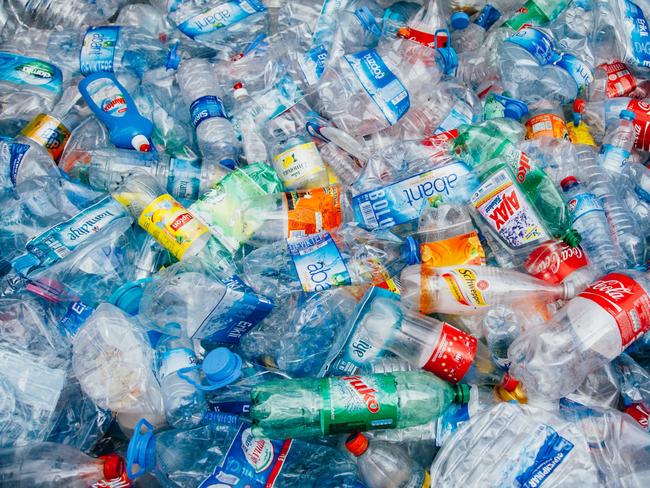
240 91
141 143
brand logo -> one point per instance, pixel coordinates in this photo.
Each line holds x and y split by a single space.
213 19
360 348
373 65
180 221
88 226
366 393
117 104
259 452
35 74
553 259
524 166
504 210
614 289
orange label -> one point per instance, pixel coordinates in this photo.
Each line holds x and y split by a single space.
49 132
546 125
460 250
313 211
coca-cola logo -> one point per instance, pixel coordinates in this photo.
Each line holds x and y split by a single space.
614 289
553 259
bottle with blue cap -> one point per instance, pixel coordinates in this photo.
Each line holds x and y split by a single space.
344 256
461 11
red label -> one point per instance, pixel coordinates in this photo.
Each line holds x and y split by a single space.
505 209
121 482
641 110
278 464
626 301
181 220
453 355
620 82
424 38
554 261
364 391
640 413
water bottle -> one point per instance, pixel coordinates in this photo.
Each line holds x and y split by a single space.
385 465
590 220
246 112
50 14
311 406
612 80
184 405
617 145
214 133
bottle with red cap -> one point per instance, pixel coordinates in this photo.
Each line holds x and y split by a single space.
386 465
246 113
43 464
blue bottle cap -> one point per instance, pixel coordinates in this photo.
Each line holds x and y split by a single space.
459 20
127 297
22 264
222 367
173 57
627 115
515 109
142 450
228 163
411 251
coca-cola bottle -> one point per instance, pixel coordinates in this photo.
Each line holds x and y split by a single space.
554 358
555 262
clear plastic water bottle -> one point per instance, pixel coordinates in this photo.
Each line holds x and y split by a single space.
590 220
214 133
50 14
246 112
617 145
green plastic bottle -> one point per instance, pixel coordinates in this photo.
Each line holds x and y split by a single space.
536 12
479 143
319 406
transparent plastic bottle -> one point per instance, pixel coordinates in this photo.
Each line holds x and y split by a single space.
246 111
617 145
51 14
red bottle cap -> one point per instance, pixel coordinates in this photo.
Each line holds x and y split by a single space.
239 85
113 466
509 383
568 181
357 444
579 105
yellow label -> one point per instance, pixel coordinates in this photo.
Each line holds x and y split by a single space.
464 287
427 480
171 224
298 162
580 134
462 250
49 132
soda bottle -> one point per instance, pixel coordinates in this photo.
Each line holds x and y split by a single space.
320 406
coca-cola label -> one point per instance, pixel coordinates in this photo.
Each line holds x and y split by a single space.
626 301
620 82
554 261
453 354
641 111
640 413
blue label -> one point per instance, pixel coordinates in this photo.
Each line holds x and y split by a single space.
451 420
21 70
184 179
98 49
578 70
249 463
639 36
550 455
318 262
74 317
12 156
488 16
538 44
583 204
219 17
238 310
613 158
205 108
313 63
382 85
62 239
404 200
376 318
233 408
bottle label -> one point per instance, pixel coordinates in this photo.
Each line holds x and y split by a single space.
318 262
298 163
313 63
358 403
250 462
120 482
554 261
620 82
425 38
453 355
219 17
538 45
613 158
403 200
386 90
640 413
546 125
626 301
236 312
184 179
205 108
579 71
583 204
108 97
171 224
487 17
63 238
21 70
173 360
580 134
98 49
501 204
313 211
464 289
49 132
75 316
462 250
528 15
11 156
640 42
641 110
552 452
360 348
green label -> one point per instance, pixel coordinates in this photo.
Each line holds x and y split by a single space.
528 15
358 403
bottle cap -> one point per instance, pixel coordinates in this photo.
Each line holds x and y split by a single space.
459 20
113 466
579 105
228 163
572 238
357 444
568 182
173 58
127 297
240 90
509 383
515 109
142 450
517 395
141 143
462 393
221 367
627 115
411 251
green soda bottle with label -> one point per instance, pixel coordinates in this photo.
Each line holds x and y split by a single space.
312 407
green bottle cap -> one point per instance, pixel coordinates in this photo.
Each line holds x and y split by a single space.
572 238
462 394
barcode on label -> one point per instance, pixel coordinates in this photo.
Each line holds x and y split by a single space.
368 214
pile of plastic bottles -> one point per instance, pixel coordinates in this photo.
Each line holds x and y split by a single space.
325 243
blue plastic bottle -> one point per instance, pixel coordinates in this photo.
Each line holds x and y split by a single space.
112 104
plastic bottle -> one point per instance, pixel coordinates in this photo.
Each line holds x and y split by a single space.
590 220
611 80
50 14
462 10
184 405
472 290
385 465
312 406
246 112
112 104
214 133
546 120
553 359
617 145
